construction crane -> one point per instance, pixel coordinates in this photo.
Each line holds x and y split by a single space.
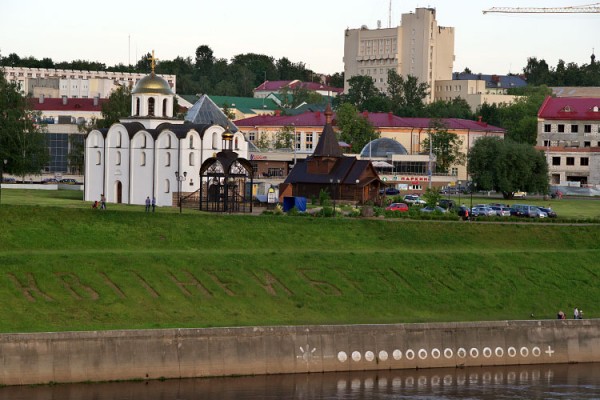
588 8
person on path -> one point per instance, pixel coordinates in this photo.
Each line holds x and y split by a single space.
147 203
102 202
576 313
153 203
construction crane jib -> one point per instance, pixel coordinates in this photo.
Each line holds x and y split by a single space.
588 8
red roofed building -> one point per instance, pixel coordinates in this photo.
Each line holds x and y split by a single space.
569 133
268 87
409 132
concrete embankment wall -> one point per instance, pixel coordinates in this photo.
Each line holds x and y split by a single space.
180 353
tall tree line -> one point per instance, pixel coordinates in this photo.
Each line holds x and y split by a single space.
202 74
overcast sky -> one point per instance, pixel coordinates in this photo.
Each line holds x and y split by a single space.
311 31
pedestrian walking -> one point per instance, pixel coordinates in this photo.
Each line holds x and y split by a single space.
576 313
153 203
102 202
147 203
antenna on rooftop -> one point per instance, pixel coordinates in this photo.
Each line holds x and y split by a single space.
390 15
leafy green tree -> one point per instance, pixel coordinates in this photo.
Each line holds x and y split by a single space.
407 95
283 139
336 80
361 93
76 153
118 106
228 111
537 72
432 197
445 146
355 129
455 108
22 139
507 167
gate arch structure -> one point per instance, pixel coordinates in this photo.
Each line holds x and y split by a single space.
226 181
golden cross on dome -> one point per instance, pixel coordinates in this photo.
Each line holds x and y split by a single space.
153 61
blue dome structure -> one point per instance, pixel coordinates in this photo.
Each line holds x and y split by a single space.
382 147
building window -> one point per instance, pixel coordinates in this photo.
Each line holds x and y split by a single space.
191 161
98 158
236 143
191 142
570 160
546 143
167 159
143 141
168 142
309 141
118 140
584 161
587 144
137 106
251 136
454 171
164 108
587 129
574 128
555 160
561 128
118 160
151 107
143 158
167 186
547 128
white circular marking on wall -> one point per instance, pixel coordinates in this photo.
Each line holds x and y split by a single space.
422 354
448 353
524 351
410 354
397 354
383 355
342 356
356 356
435 353
536 351
369 356
512 352
474 353
462 353
487 352
499 352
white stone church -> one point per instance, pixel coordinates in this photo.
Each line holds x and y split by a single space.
142 155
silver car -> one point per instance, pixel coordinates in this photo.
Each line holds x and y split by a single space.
482 212
501 211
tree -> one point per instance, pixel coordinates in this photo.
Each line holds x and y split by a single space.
22 140
354 128
507 167
445 146
537 72
283 139
117 107
361 93
455 108
407 95
336 80
76 153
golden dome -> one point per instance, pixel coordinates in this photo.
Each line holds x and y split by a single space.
153 84
227 135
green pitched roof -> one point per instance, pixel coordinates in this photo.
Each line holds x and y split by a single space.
244 104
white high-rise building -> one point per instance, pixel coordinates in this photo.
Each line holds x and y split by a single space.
418 47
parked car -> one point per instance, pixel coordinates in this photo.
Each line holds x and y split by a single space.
402 207
413 199
482 212
527 211
68 181
447 204
433 209
391 191
501 211
550 212
520 195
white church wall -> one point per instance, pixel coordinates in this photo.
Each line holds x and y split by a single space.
94 166
141 172
116 170
167 162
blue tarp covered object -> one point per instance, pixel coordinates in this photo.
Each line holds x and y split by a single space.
291 202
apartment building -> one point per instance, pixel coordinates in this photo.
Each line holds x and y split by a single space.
418 47
569 134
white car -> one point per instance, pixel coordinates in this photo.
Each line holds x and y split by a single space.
413 199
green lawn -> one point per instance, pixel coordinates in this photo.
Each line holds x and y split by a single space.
67 267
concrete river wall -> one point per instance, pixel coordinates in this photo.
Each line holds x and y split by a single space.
182 353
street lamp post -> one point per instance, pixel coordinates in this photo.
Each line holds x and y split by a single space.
459 183
180 179
357 197
4 162
473 187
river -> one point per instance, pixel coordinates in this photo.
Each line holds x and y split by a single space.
567 381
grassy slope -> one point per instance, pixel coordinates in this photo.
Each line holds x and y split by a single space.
123 269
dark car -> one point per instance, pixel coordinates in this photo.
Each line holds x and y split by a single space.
447 204
392 191
68 181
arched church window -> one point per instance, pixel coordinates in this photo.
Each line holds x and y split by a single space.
168 141
118 139
143 158
137 106
236 144
164 108
191 159
151 107
215 140
143 141
167 186
98 158
191 142
167 159
118 158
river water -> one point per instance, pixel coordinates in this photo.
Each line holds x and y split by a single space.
576 381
